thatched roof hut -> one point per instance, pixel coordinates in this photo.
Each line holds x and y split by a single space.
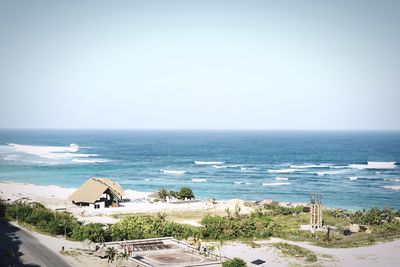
97 190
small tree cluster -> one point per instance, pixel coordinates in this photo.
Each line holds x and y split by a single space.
182 194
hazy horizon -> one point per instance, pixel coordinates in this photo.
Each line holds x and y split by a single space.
200 65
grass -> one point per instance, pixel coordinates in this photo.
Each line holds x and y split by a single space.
250 243
296 251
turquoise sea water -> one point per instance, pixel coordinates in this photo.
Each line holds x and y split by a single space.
252 165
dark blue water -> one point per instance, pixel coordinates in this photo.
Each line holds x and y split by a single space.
284 166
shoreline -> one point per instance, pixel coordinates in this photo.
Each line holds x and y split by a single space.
55 195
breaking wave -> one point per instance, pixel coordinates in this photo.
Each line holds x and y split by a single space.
49 154
198 180
90 160
197 162
219 166
241 182
311 166
372 165
393 187
176 172
284 171
276 184
281 178
329 172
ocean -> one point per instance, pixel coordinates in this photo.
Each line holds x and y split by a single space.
351 170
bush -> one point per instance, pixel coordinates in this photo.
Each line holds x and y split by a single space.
374 216
235 262
43 219
185 193
311 258
135 227
228 228
91 231
371 239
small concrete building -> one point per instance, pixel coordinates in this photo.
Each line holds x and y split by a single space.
98 193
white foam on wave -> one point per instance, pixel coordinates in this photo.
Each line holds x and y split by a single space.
197 162
311 166
176 172
374 165
276 184
44 151
353 178
329 172
219 166
281 178
241 182
393 187
284 171
392 179
198 180
11 157
90 160
49 154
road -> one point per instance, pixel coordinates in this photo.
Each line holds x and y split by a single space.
20 248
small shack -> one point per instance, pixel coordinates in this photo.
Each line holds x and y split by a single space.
98 193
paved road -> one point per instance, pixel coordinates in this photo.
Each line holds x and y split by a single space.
20 248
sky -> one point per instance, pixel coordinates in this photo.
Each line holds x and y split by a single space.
329 65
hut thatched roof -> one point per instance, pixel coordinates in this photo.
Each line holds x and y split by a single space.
93 188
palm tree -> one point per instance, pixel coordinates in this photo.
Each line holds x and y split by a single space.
163 193
124 255
110 253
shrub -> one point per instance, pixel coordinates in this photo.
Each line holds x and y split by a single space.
374 216
185 193
311 258
235 262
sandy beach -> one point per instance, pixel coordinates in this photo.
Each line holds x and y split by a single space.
55 197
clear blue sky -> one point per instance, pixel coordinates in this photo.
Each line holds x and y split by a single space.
200 64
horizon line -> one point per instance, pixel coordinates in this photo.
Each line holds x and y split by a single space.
203 129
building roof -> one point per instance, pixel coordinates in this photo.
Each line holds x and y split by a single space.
93 188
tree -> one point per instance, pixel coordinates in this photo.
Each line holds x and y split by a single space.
185 193
163 193
235 262
110 253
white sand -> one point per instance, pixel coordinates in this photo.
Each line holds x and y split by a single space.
57 197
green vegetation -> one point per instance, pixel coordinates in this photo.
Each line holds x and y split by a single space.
50 222
182 194
265 222
375 216
230 228
235 262
136 227
110 253
296 251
